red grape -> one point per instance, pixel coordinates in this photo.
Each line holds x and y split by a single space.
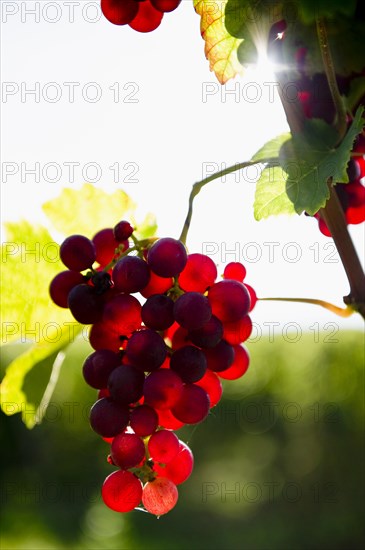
122 491
163 446
147 18
119 12
159 496
179 468
199 273
127 450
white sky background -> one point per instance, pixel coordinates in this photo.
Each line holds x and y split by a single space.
169 134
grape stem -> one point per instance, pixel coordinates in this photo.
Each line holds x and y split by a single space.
197 187
342 312
331 77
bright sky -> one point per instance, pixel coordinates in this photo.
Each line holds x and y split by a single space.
143 113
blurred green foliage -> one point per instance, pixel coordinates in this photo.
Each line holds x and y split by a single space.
279 462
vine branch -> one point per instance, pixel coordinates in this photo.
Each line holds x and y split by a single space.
342 312
198 186
331 77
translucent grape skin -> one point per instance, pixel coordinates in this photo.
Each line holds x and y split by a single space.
77 252
189 363
122 491
85 304
193 405
108 418
239 366
159 496
106 245
62 284
235 270
147 18
163 446
238 331
167 420
156 285
127 450
167 257
130 274
125 384
229 299
146 350
157 312
162 389
119 13
179 468
165 5
124 313
212 385
143 420
192 310
199 273
98 366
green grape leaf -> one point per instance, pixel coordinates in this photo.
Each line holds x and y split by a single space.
147 228
271 148
87 210
311 160
271 196
14 398
220 46
30 259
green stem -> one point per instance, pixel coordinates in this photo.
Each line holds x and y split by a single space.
331 77
342 312
197 187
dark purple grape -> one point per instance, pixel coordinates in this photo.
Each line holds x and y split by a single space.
77 252
220 357
209 334
62 284
130 274
157 312
85 304
162 389
98 367
122 231
146 350
353 170
125 384
192 310
167 257
193 405
189 363
108 418
127 450
144 420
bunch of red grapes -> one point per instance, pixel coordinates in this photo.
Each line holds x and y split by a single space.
316 102
140 15
157 366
